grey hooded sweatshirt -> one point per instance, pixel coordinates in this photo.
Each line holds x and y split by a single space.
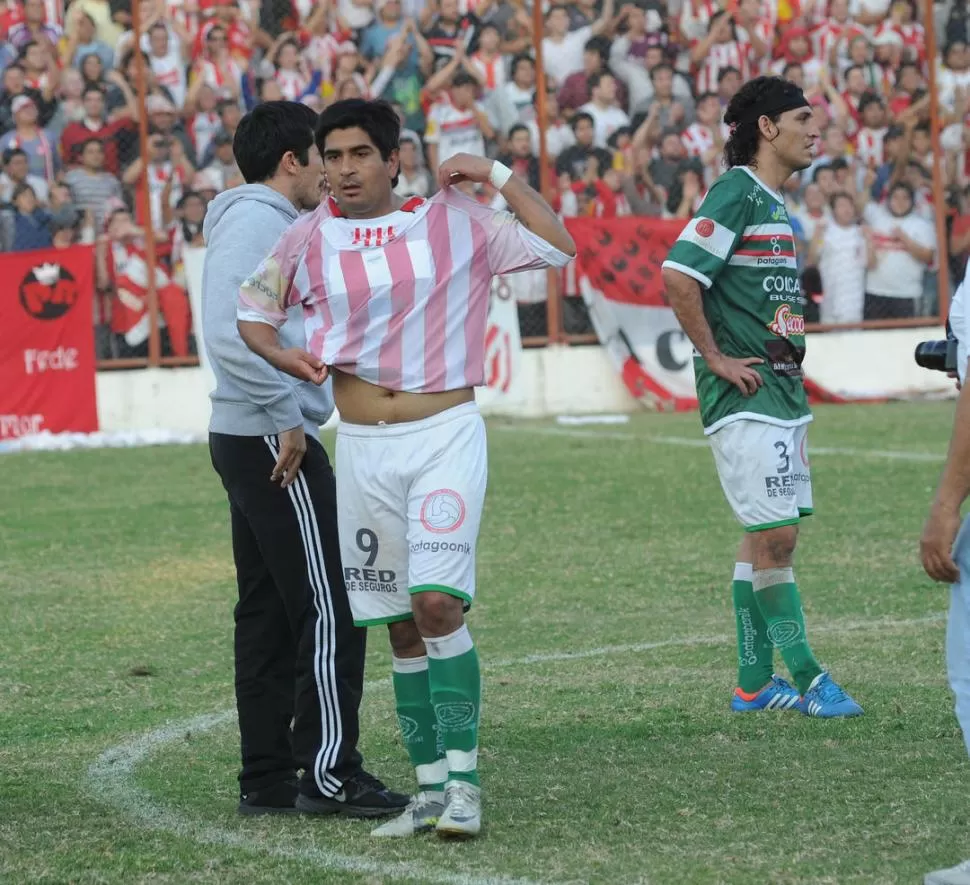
251 398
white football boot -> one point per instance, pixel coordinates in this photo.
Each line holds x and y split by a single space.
958 875
420 816
462 817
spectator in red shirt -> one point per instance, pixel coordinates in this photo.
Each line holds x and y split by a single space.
94 125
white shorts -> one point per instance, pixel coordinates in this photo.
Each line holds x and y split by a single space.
409 506
764 472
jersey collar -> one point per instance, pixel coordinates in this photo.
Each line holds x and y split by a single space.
775 194
410 205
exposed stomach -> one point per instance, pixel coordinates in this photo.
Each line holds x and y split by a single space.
360 402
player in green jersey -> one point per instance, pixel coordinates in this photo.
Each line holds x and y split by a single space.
732 281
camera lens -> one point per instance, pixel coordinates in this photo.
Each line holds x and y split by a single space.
931 355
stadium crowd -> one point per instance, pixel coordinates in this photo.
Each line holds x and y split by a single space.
634 94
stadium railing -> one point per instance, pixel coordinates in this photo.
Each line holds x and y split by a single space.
136 144
562 317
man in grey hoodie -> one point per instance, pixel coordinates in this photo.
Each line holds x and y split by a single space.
299 658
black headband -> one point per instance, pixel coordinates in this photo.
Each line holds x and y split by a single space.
791 100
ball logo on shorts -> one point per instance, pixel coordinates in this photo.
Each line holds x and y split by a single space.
804 450
704 227
442 511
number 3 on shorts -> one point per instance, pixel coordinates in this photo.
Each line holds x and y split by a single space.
784 464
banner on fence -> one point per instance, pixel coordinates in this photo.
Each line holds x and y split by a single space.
618 272
194 258
504 385
47 347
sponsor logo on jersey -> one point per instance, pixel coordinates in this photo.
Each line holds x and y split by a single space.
781 283
784 358
786 323
778 214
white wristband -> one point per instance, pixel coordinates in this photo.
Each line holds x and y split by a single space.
499 175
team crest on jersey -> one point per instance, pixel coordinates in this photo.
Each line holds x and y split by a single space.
704 227
787 323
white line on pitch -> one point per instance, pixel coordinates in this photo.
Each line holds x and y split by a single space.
844 627
112 775
701 443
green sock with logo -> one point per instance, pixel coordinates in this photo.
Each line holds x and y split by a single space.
781 606
456 695
415 715
755 651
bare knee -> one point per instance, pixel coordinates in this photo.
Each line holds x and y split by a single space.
774 548
436 614
746 549
406 641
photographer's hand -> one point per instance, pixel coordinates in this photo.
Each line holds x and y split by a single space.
940 531
936 544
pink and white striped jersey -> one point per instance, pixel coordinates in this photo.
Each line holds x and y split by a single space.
732 54
402 300
832 37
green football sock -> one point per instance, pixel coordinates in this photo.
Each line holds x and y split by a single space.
755 651
456 694
781 607
415 715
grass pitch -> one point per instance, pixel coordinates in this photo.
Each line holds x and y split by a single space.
605 626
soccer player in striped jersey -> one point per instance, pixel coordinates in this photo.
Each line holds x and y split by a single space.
395 297
732 280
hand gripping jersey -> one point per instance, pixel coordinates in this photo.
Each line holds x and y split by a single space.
739 247
401 300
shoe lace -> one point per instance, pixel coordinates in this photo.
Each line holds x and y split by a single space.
367 781
422 800
458 798
782 684
831 692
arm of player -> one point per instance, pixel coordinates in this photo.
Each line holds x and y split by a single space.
539 239
533 212
684 294
264 339
264 297
696 259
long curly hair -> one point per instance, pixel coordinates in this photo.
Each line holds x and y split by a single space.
741 116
